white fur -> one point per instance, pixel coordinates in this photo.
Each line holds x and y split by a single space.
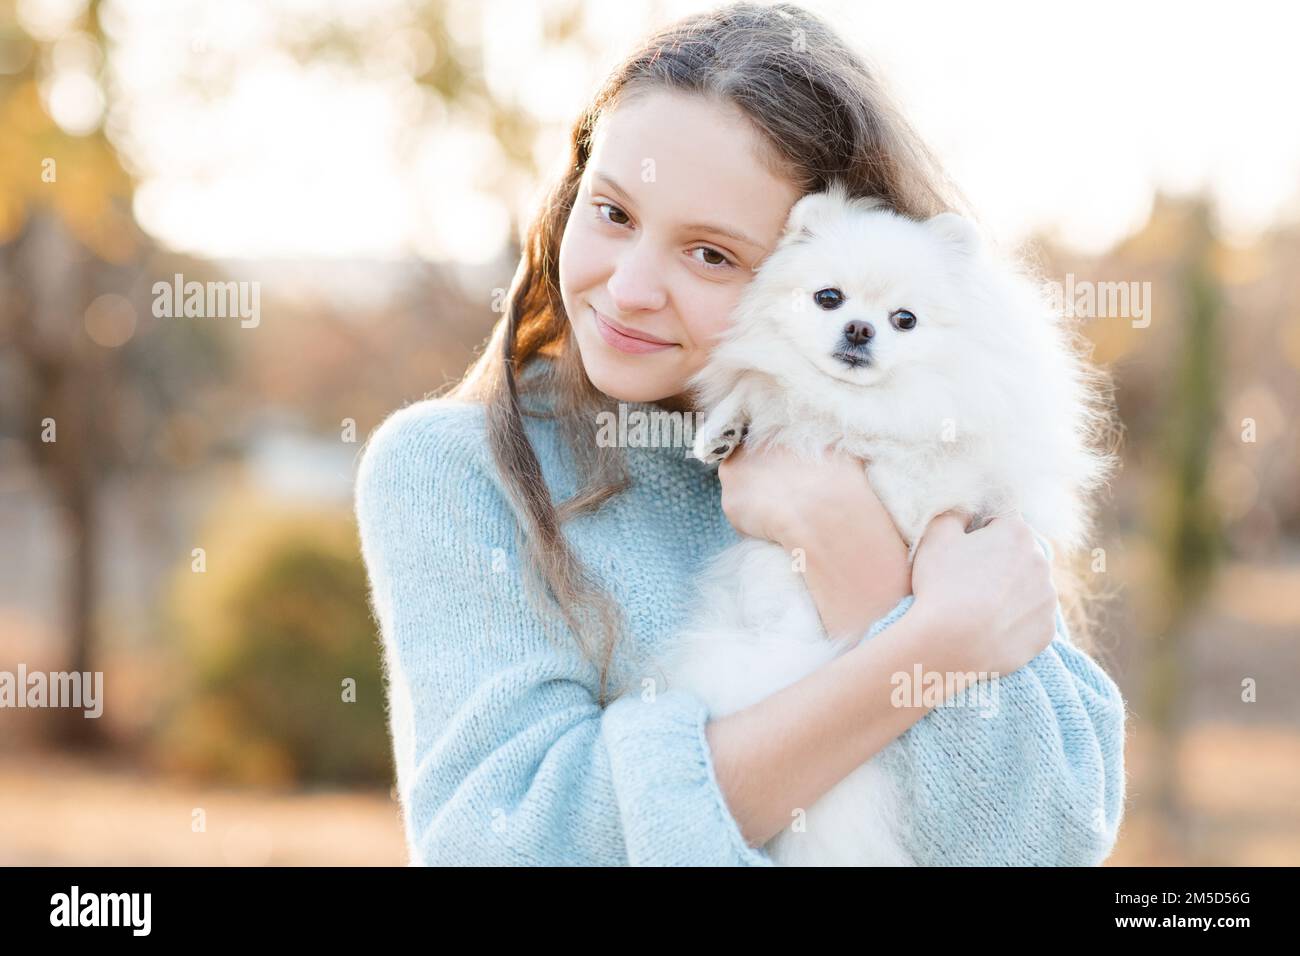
982 407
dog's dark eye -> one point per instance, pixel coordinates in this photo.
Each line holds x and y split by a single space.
829 298
902 319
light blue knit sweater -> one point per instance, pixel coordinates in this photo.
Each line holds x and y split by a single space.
504 757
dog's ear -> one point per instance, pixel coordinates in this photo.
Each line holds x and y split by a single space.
957 231
813 210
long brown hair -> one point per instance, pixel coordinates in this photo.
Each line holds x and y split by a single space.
824 114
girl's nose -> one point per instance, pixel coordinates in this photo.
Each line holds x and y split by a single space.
636 284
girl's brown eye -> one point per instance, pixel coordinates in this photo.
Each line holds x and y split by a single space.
615 211
714 252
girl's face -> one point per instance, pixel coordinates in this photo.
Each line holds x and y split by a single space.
673 213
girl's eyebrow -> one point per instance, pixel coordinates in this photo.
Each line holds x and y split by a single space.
691 226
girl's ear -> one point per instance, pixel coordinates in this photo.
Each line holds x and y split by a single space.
957 231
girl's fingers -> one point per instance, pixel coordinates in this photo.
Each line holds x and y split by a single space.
947 524
735 454
1008 518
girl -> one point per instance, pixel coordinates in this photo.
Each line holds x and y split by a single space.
524 571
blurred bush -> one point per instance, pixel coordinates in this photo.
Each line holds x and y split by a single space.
269 634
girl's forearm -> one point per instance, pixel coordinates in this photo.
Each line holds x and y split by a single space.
852 593
783 753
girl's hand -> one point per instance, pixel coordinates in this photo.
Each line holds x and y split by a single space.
986 596
855 562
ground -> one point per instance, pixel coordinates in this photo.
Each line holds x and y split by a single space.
1242 786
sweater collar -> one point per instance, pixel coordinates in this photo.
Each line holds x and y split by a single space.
652 436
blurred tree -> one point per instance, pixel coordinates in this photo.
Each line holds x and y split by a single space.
86 386
1188 535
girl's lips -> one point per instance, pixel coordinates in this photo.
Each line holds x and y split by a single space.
626 343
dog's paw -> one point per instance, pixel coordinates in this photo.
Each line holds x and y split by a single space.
712 447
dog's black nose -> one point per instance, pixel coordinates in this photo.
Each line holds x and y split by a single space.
858 333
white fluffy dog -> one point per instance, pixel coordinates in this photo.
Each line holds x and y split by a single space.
909 345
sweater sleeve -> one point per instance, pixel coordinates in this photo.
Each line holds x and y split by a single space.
503 755
1028 773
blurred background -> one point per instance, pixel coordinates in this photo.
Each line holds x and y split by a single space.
175 492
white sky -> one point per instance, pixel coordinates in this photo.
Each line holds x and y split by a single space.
1064 115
